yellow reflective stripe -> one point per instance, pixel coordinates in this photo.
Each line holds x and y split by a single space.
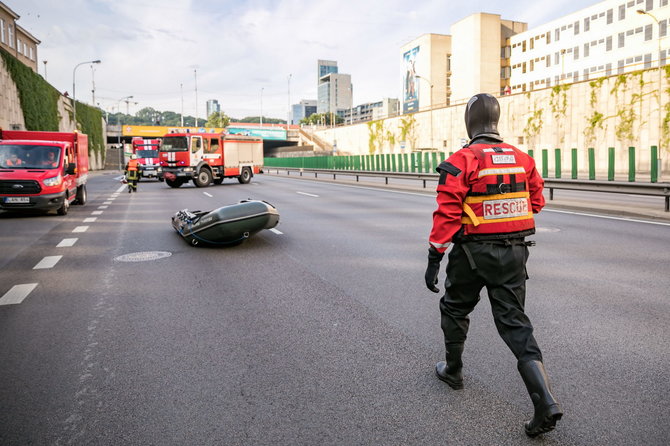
474 220
501 171
467 221
482 198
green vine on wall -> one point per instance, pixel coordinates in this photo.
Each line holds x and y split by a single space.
665 125
596 120
375 136
533 125
90 123
559 107
625 128
39 100
407 129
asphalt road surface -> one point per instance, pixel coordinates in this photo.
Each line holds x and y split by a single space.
320 332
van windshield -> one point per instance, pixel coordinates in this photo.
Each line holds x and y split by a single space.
147 153
174 144
14 156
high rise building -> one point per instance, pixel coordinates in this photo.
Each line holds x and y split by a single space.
325 67
212 107
334 93
305 109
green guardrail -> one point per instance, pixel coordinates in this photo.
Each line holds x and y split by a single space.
427 162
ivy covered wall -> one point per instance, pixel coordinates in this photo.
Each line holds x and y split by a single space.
45 109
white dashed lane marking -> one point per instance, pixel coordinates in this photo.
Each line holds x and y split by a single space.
47 262
67 242
97 212
80 229
107 202
103 207
309 195
17 293
276 231
208 194
90 219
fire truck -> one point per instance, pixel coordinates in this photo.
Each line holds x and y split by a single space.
209 157
147 154
42 170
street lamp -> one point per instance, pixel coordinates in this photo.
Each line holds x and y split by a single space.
118 121
74 96
431 107
262 105
660 118
288 120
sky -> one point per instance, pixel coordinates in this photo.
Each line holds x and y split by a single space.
252 56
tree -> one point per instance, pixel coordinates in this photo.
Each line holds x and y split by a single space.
322 119
217 119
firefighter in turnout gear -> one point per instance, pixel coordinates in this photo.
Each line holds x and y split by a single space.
486 197
132 172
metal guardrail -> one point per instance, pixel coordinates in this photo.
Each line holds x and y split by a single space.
617 187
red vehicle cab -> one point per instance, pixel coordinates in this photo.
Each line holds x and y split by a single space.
42 170
146 151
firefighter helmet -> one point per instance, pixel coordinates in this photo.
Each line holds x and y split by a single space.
481 115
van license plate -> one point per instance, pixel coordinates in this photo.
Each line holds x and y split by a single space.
17 199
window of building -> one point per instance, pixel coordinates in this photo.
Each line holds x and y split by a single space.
647 60
523 67
548 60
622 12
664 55
523 46
608 43
557 34
10 35
531 65
575 76
548 37
575 52
663 28
532 44
649 5
576 28
608 69
639 30
556 58
32 54
25 49
557 79
630 4
630 32
638 58
610 16
620 65
622 40
586 50
547 82
18 45
2 30
664 3
586 74
587 24
647 32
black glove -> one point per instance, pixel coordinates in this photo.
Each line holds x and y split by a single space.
434 259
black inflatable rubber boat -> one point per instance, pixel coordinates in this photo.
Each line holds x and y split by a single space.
226 225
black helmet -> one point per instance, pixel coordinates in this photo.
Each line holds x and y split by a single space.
481 116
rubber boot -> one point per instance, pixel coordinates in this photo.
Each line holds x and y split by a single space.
451 371
547 410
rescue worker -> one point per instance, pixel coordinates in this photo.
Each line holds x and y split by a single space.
487 194
132 172
50 160
14 160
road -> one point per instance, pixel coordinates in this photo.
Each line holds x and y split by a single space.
321 332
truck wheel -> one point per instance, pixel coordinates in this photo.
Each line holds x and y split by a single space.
245 176
82 195
203 178
62 210
175 183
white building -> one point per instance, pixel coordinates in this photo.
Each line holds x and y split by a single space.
334 93
608 38
212 107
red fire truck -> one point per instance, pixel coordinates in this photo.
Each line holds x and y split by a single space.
209 157
42 170
147 154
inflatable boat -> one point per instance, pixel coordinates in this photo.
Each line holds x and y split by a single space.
227 225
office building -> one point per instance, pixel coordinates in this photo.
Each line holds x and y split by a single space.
325 67
371 111
304 109
610 37
212 107
16 40
334 93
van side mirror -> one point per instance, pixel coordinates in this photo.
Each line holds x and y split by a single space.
71 169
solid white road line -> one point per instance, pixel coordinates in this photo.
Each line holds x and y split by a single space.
208 194
608 217
67 242
96 213
80 229
90 219
17 293
47 262
309 195
276 231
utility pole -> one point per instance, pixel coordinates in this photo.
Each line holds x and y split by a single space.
181 88
288 119
195 73
45 70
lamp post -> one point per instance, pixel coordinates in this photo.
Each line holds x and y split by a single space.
195 73
45 70
262 105
288 120
660 90
74 96
118 120
431 107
